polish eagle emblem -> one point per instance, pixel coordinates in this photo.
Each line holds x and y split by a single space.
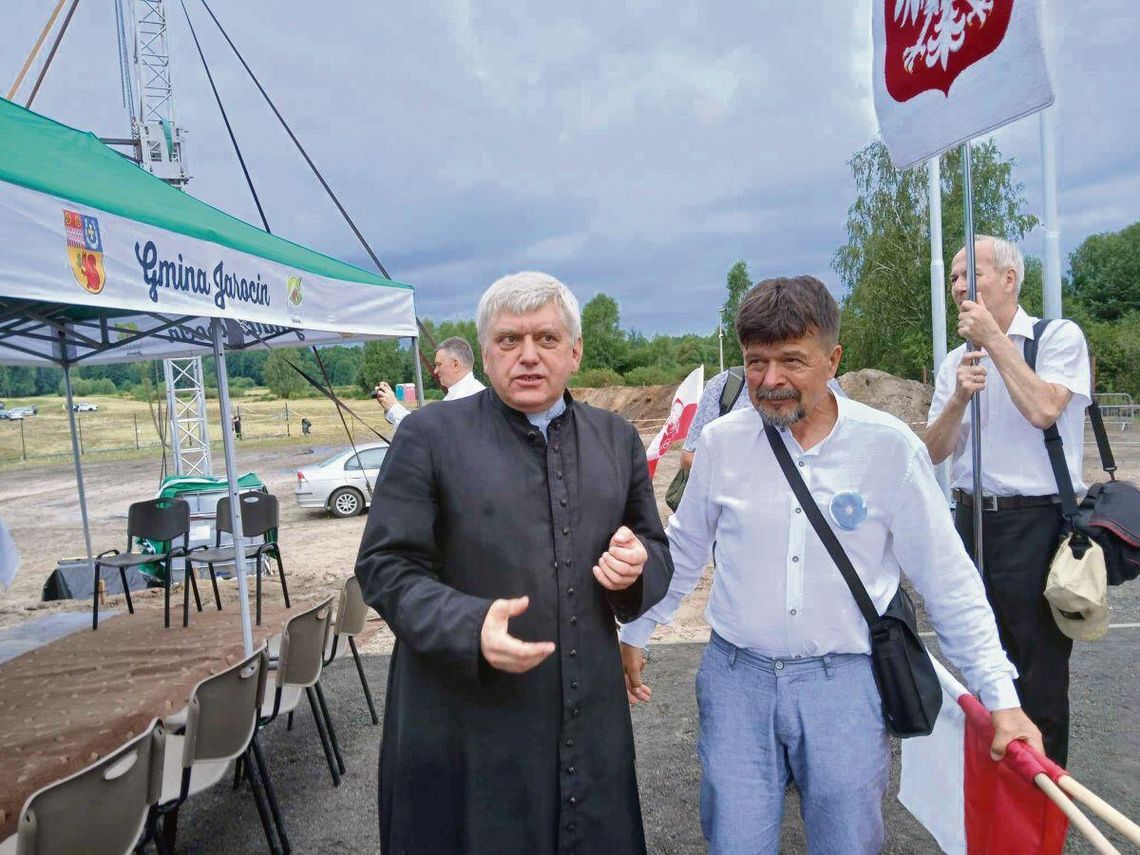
930 42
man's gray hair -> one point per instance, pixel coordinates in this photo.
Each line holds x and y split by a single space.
460 349
522 293
1006 257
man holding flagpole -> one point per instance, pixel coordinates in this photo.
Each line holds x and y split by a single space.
1021 509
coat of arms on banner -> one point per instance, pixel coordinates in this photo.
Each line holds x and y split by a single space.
85 250
296 296
930 42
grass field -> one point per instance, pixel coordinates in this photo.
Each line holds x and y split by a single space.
123 425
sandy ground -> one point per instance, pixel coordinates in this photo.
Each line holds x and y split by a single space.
38 504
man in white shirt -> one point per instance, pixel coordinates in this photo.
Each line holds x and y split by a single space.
454 361
1022 512
785 688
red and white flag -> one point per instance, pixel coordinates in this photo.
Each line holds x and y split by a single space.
681 414
946 71
969 803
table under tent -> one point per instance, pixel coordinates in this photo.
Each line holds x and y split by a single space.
102 262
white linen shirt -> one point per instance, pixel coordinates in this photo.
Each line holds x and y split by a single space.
467 385
776 590
1014 459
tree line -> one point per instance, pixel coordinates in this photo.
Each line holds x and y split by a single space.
885 319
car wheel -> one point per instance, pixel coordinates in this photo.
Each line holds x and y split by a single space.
346 502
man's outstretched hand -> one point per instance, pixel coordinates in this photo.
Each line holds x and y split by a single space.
501 649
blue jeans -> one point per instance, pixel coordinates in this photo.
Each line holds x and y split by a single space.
815 721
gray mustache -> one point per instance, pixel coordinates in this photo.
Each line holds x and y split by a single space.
763 394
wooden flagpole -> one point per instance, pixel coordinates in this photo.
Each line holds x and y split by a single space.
1126 827
1078 820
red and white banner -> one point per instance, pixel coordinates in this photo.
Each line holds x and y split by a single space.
969 803
681 414
945 71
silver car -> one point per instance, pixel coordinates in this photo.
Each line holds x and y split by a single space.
343 483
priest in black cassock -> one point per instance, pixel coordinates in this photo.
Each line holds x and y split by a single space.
508 532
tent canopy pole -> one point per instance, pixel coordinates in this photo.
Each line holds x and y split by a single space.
240 559
419 372
76 460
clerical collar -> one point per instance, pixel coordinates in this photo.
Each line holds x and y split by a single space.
542 420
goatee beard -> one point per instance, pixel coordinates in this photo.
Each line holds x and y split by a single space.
778 418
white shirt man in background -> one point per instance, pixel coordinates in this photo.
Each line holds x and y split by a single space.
785 687
454 361
1021 518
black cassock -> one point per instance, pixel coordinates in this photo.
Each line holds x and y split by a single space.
473 504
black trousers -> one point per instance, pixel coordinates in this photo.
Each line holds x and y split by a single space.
1017 546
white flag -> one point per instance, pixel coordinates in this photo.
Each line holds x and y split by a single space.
946 71
681 413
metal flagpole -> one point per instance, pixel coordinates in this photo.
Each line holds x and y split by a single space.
975 403
1052 279
937 289
232 483
75 458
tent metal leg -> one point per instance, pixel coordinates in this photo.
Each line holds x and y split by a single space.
231 478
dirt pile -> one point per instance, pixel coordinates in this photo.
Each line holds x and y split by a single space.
908 400
635 403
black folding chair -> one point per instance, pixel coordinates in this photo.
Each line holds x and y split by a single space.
163 521
260 518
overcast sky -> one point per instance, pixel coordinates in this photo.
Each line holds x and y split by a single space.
635 148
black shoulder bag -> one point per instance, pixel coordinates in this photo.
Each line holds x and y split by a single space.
1109 514
908 684
733 385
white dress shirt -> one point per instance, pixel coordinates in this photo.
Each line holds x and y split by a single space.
467 385
1014 460
775 589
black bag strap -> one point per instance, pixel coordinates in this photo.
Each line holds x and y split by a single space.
830 541
1107 460
733 385
1054 444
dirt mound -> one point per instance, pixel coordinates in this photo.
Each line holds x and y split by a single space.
635 403
908 400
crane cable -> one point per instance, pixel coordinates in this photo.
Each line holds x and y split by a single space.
424 333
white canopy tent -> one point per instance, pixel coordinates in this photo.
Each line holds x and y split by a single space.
103 263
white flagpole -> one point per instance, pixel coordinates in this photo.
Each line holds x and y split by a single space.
1052 283
937 289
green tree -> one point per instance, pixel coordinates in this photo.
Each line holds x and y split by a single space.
1105 273
884 265
279 374
738 284
384 360
603 342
